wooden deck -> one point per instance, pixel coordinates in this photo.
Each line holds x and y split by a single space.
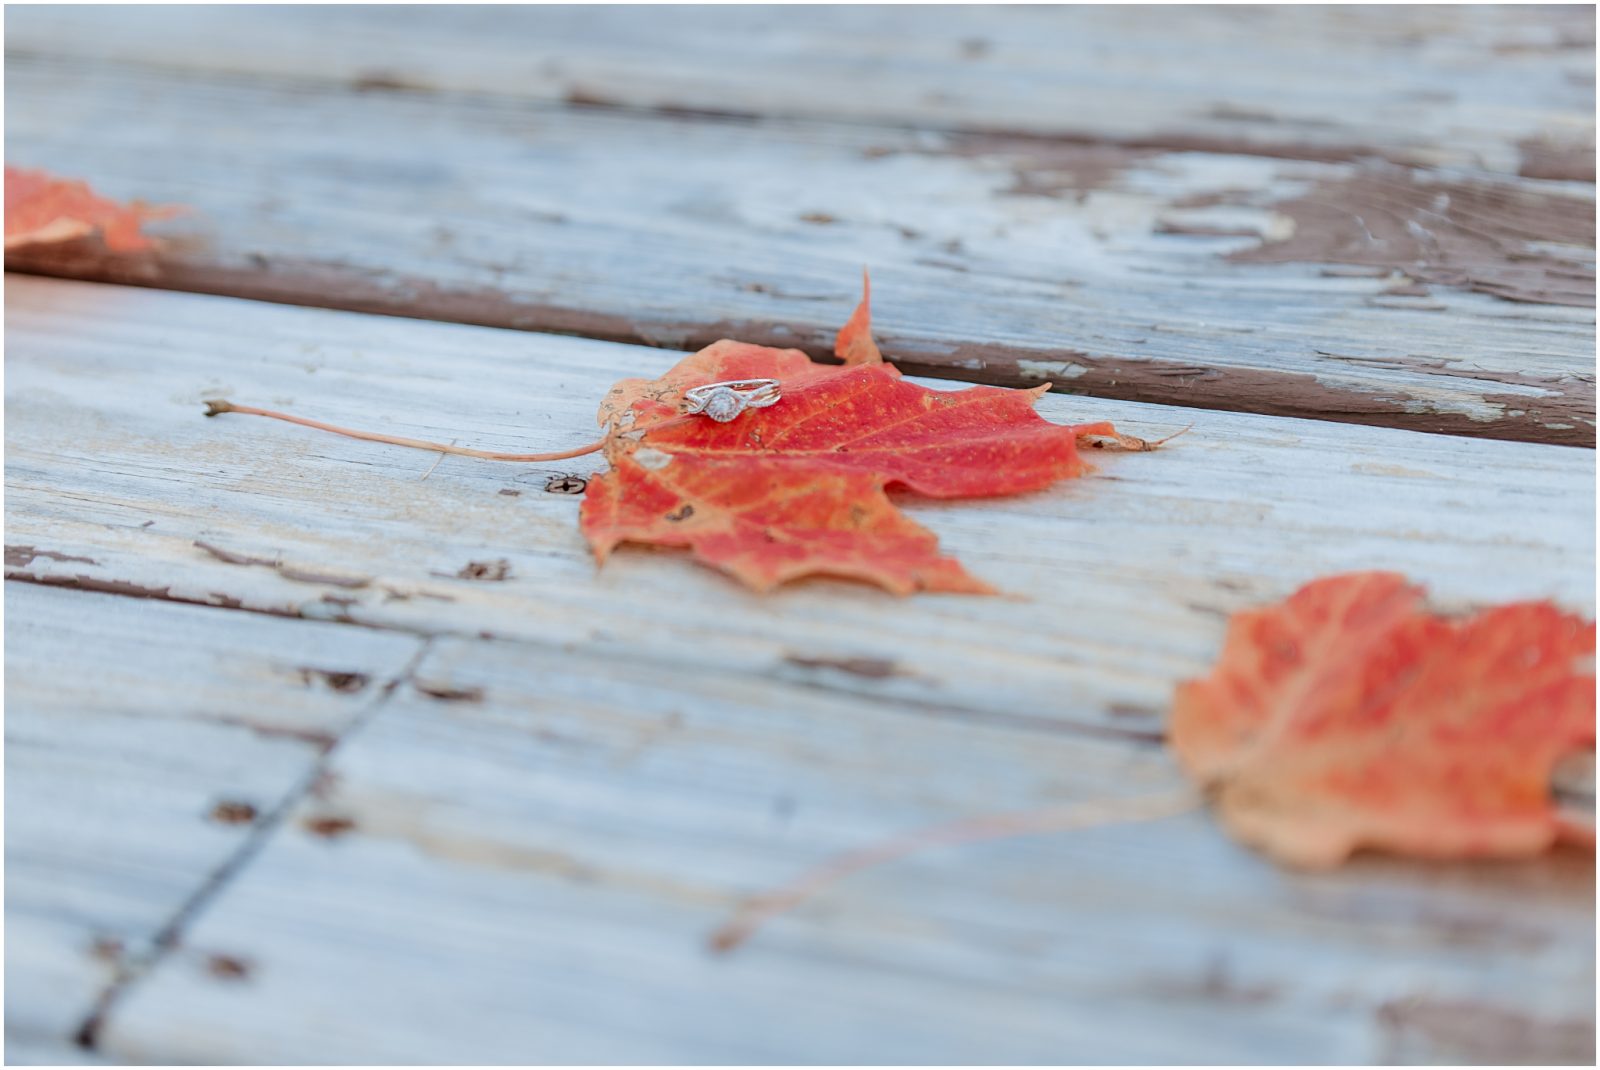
325 751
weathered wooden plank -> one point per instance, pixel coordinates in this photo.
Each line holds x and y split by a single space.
531 875
1174 277
553 820
1503 88
1119 581
146 745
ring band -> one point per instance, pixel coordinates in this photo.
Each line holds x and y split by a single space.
726 401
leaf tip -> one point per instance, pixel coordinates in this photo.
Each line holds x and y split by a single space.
854 345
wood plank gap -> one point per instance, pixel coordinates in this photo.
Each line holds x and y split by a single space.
1207 279
1261 392
1153 737
134 590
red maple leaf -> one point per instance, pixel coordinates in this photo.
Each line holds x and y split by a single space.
799 488
1348 716
44 210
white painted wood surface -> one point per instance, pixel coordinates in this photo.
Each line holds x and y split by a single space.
532 877
1120 580
1108 278
31 1052
128 724
519 855
513 848
1447 85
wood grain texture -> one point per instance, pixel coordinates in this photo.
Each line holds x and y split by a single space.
1501 88
146 744
520 854
532 875
110 460
1202 278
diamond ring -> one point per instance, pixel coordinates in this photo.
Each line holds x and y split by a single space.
724 401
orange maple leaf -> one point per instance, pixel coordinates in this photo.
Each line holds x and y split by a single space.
798 489
1348 716
44 210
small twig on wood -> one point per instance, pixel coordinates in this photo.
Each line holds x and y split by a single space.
219 406
757 910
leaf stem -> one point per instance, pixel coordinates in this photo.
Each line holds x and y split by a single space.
1104 430
1095 814
219 406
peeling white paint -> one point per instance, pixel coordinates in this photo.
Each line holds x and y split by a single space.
653 459
1279 227
1050 369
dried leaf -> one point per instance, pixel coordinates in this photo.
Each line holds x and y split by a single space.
1348 716
44 210
798 489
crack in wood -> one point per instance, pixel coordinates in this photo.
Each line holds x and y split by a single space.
131 969
288 572
1563 416
23 556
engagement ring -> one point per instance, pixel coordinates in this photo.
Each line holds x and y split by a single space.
725 401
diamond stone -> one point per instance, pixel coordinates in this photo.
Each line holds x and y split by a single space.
723 405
